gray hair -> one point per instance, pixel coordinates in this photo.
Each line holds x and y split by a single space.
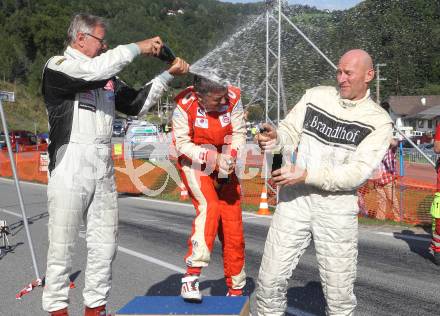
83 23
204 85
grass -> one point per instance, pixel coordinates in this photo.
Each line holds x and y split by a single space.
26 111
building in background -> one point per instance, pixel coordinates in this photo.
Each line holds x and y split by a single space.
421 112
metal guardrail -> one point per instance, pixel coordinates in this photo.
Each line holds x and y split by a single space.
412 156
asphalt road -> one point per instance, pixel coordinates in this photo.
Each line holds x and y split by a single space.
395 273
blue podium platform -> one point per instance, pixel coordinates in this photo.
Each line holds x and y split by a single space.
175 305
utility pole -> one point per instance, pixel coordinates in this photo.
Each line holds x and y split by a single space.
378 79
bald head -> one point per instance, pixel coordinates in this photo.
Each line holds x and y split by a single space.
361 56
355 71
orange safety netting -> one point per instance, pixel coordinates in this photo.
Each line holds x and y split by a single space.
413 196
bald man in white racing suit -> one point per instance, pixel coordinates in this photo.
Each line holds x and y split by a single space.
341 137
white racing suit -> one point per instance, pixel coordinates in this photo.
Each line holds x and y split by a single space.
339 143
81 94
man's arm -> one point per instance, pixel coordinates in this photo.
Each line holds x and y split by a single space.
63 76
238 126
350 175
288 134
137 102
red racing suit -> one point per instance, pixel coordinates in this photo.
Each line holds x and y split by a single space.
198 135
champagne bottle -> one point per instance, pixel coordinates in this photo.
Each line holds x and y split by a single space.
166 54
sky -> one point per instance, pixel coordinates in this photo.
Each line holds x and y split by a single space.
320 4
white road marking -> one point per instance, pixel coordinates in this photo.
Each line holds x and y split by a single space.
146 258
24 182
11 213
151 260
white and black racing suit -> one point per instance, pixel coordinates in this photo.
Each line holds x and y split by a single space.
339 143
81 95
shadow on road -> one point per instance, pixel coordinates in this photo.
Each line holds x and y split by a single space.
18 226
171 287
418 246
309 298
8 249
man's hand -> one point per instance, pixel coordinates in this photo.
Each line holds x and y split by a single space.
289 175
179 67
226 163
151 46
267 138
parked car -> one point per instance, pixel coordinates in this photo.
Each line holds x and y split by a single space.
141 134
25 141
118 129
22 137
43 138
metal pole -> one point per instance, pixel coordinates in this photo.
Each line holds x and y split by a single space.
279 63
17 186
267 66
378 80
377 84
402 173
402 166
266 119
308 40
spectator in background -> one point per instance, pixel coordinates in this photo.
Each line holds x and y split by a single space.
435 208
385 185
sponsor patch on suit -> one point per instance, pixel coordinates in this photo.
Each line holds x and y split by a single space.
109 91
201 122
87 107
333 131
109 96
225 119
201 112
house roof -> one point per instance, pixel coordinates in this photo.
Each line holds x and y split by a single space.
426 113
411 105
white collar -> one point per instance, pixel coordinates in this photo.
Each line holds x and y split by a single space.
345 103
75 54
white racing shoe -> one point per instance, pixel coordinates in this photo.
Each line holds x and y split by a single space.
190 289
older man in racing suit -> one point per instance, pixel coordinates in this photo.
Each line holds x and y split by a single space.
81 92
208 127
341 136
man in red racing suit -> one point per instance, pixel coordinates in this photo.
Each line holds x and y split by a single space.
208 129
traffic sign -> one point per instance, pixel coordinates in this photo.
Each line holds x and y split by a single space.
7 96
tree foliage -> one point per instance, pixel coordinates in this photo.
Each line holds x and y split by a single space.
404 34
